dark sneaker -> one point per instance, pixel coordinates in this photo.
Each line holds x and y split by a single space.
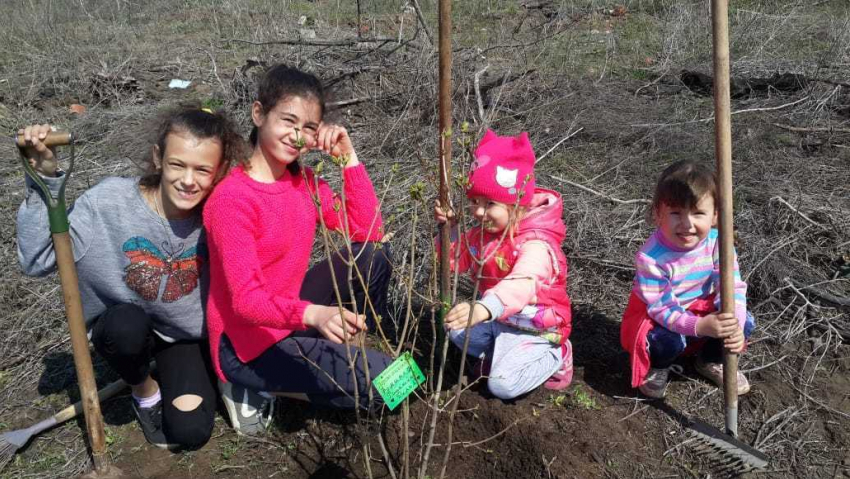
655 384
250 411
150 420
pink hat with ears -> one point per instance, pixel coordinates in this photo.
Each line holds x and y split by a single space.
503 169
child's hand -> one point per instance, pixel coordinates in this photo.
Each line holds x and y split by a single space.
735 343
441 216
41 158
720 325
459 316
334 140
333 325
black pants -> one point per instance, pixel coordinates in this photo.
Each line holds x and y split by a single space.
124 336
307 363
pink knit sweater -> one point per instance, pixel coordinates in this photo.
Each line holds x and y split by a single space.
260 236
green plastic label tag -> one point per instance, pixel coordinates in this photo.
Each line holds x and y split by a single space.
400 379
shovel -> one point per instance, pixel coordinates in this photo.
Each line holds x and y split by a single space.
59 226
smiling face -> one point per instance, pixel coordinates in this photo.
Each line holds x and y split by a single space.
287 130
494 216
189 166
685 228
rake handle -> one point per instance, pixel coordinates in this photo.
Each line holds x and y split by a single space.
723 155
75 409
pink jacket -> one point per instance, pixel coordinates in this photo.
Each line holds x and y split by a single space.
547 309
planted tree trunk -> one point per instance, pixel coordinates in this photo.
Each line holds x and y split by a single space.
445 146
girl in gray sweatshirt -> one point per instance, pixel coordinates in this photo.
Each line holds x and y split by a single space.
141 259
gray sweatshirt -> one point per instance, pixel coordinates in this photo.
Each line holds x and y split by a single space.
125 253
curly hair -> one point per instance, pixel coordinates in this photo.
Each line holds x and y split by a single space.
202 124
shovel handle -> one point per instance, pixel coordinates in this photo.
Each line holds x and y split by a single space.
54 138
57 213
80 347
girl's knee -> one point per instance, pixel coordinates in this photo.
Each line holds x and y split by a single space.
125 317
125 328
457 337
663 343
378 256
188 425
187 402
749 325
503 387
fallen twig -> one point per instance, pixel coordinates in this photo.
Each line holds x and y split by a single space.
476 82
636 411
319 43
349 102
795 210
421 19
830 298
559 143
711 118
603 195
764 366
824 129
828 408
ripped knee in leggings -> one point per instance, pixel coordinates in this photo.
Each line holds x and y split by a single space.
187 402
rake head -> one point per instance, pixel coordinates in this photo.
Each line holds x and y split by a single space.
728 456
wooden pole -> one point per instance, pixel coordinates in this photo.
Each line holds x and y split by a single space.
80 346
723 155
445 147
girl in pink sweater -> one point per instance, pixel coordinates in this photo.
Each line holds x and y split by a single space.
271 324
520 326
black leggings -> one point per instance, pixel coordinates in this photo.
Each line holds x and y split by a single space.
307 363
124 336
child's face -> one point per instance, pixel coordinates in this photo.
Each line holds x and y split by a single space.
685 228
288 129
494 216
189 167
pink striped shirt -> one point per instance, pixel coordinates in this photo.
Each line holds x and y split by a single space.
669 280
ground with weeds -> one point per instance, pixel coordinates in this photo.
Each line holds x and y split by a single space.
609 93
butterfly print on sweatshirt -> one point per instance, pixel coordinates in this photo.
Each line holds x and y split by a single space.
148 265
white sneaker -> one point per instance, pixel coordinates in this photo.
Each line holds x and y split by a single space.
714 373
250 411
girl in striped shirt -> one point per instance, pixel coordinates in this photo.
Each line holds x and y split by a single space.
673 308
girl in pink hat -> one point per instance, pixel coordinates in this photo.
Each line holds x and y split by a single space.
519 327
